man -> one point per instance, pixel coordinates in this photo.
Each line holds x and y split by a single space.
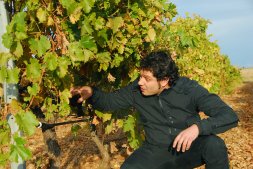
169 108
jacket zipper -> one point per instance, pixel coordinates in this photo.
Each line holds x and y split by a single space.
163 113
160 103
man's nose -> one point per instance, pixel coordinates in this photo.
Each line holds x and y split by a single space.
140 82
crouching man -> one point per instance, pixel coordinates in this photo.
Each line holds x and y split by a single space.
169 106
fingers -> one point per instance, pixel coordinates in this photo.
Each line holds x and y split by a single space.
185 138
182 142
80 100
186 145
176 141
85 92
75 90
179 142
189 143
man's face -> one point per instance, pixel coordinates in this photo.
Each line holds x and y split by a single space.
149 85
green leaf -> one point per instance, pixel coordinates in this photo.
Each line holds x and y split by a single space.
27 122
103 38
121 49
103 57
65 95
18 149
19 22
70 5
64 109
87 5
18 51
63 67
151 34
145 24
21 35
40 46
134 143
77 53
4 137
33 91
50 61
99 114
109 128
3 74
103 34
88 42
41 15
7 40
4 159
117 60
13 75
86 27
88 55
33 70
106 117
75 128
99 23
115 23
119 123
104 60
129 124
75 16
49 108
133 74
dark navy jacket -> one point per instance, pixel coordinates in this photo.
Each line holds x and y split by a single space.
165 115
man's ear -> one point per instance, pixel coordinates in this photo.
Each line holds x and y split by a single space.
164 82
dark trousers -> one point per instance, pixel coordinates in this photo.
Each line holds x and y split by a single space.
210 150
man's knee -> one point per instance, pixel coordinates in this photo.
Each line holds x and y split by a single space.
214 143
214 147
215 153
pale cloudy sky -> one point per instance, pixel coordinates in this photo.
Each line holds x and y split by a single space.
232 25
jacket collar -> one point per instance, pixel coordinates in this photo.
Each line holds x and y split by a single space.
184 85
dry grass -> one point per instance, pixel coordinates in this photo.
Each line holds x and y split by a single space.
247 74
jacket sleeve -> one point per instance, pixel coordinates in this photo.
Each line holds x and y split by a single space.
221 116
119 99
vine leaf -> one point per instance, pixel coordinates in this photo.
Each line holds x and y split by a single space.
17 49
27 122
13 75
63 67
40 46
115 23
18 149
87 5
33 70
51 61
88 42
41 15
3 74
151 34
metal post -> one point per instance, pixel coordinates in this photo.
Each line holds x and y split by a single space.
15 129
10 90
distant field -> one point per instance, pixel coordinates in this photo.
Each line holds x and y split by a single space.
247 74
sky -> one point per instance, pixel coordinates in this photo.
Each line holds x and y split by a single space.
231 25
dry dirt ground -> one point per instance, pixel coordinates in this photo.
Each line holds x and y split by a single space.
81 152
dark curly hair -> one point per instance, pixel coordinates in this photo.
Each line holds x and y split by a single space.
161 65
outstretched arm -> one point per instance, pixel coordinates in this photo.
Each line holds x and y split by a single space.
119 99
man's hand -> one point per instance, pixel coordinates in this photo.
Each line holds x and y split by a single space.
185 138
85 92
